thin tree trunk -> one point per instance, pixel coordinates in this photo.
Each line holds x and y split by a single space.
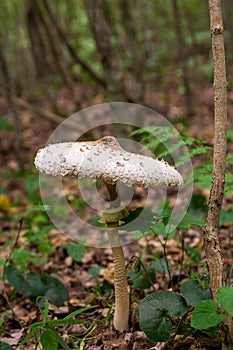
57 53
133 77
181 56
100 25
37 44
12 108
211 228
228 24
76 57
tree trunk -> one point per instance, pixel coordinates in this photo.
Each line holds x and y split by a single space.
211 228
100 24
12 108
35 35
76 57
182 56
228 24
136 50
58 56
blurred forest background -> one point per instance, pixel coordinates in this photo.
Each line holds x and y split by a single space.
58 57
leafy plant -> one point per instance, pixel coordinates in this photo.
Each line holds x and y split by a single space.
5 124
46 331
143 276
22 256
5 346
158 309
165 141
75 251
206 313
33 285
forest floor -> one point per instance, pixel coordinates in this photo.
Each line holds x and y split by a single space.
18 312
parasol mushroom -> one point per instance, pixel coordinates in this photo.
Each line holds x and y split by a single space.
105 159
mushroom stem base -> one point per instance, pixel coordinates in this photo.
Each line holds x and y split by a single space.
121 315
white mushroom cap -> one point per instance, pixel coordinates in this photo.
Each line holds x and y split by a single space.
105 159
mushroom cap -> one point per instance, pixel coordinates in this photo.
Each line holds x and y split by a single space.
105 159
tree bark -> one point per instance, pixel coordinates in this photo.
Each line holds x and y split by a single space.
182 56
35 35
58 56
211 228
100 24
12 108
76 57
135 49
228 24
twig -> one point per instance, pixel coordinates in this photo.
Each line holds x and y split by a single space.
136 258
164 245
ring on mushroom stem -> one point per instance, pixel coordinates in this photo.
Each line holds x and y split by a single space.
105 159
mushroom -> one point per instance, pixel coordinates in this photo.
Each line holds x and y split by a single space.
105 159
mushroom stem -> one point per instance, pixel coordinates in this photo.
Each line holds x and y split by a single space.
121 315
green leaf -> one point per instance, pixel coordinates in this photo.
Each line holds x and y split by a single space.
139 219
31 183
140 279
39 207
226 217
34 285
95 271
167 231
186 221
44 310
49 340
193 292
203 175
2 262
205 315
23 256
155 312
75 251
161 265
229 135
17 279
5 346
78 312
4 124
198 205
225 297
56 291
